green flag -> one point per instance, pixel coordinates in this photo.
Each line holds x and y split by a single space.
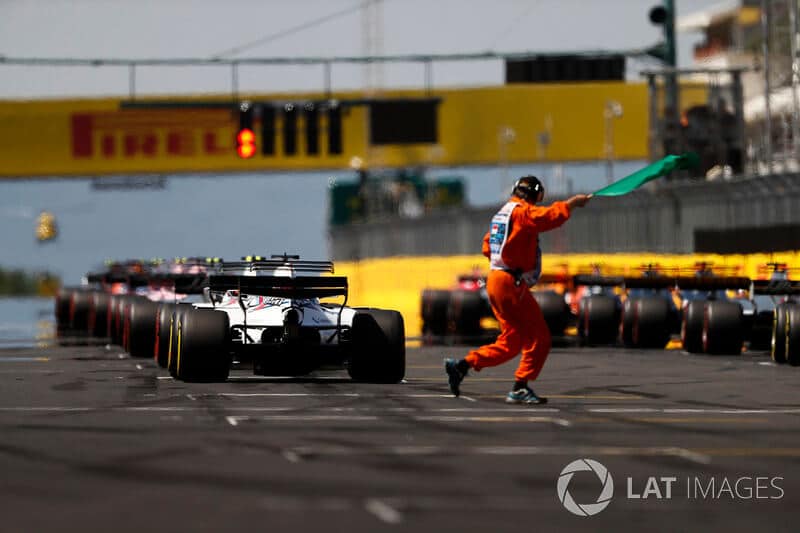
652 171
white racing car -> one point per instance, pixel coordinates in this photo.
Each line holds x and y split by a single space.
274 313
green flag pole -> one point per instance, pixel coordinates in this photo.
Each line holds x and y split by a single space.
652 171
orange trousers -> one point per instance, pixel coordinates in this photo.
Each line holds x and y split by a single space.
522 327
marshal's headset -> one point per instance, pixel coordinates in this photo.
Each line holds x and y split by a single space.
528 188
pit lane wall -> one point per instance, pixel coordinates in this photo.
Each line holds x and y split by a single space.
397 282
476 126
746 215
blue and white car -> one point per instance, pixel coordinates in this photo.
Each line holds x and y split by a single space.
277 314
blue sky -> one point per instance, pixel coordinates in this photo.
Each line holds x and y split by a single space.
205 28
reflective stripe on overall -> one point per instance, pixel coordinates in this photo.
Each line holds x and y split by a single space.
498 234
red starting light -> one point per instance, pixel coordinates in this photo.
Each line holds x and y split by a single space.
246 143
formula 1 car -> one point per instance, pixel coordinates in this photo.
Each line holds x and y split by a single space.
83 312
457 314
755 316
710 321
643 312
118 304
271 312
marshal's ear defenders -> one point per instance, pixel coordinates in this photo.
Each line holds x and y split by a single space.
528 188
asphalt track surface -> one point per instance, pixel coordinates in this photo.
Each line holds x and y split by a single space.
93 440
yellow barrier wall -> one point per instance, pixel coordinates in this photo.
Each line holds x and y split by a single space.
96 137
397 282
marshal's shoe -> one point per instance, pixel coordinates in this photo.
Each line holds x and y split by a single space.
525 396
454 375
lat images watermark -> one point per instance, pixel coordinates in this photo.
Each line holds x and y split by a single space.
697 488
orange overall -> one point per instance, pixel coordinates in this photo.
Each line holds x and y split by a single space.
512 246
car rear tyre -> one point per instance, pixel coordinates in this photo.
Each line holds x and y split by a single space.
99 309
692 326
778 351
464 314
125 314
161 337
172 345
722 328
434 312
79 316
63 299
793 335
142 320
645 323
378 348
555 310
118 303
203 351
598 320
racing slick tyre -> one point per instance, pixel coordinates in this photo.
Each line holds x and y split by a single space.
722 328
434 312
464 313
778 350
99 308
555 310
646 323
142 332
62 306
598 320
626 323
79 316
112 325
117 302
377 347
125 315
172 346
202 346
63 299
692 326
793 335
161 337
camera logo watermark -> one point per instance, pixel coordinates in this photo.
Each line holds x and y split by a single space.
606 493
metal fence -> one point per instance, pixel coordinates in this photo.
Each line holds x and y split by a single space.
661 219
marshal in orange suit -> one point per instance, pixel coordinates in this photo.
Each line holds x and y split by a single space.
512 246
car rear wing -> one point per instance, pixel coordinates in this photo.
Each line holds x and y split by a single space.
299 287
106 277
776 287
703 283
550 278
713 283
132 280
182 283
290 266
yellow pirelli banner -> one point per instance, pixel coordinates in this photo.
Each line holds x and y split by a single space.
479 126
